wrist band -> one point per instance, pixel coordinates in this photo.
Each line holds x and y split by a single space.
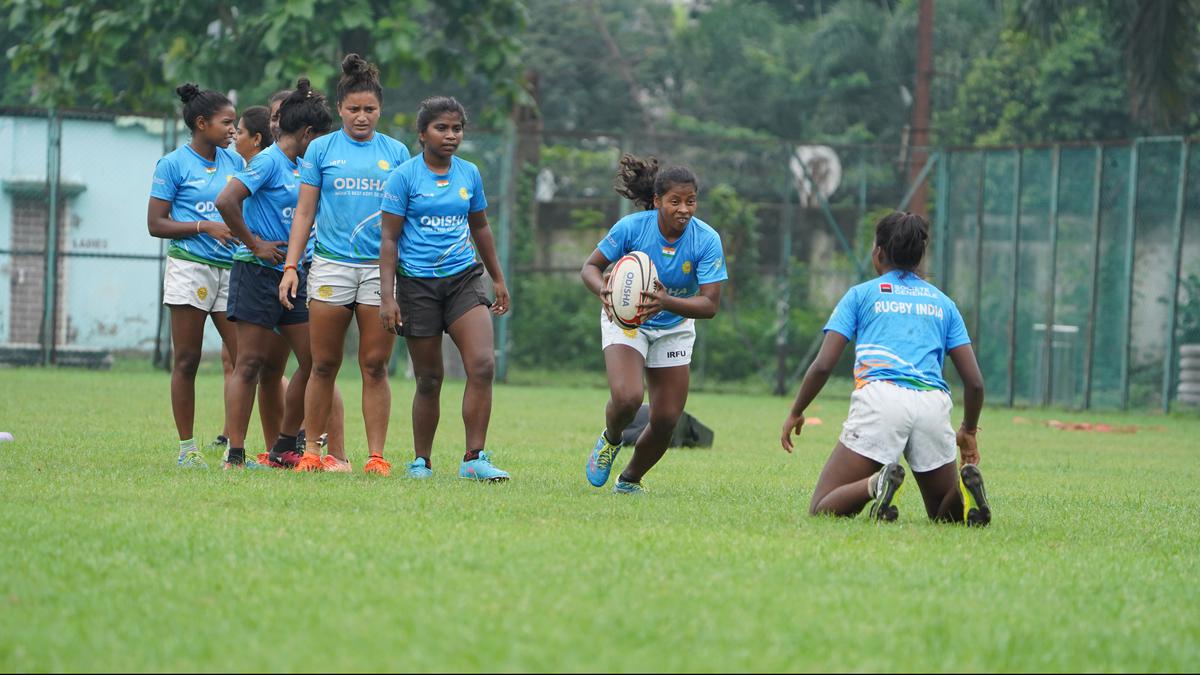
197 227
288 267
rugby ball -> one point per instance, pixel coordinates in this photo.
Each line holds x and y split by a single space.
632 275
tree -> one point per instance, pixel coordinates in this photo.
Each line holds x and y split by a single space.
1159 41
131 55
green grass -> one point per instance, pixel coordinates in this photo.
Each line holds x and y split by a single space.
111 558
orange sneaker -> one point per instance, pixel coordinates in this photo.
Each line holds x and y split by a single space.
331 464
309 462
377 464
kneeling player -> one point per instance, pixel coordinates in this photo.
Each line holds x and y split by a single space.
903 327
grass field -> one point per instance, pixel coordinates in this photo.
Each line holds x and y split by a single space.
114 559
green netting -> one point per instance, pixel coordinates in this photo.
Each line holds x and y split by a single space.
1073 267
1185 389
1111 318
991 336
1033 279
1158 181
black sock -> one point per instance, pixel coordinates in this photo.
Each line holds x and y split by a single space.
471 455
611 441
237 456
222 439
626 479
284 444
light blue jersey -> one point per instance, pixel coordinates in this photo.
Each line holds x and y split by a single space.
902 327
436 241
683 265
191 184
274 184
351 175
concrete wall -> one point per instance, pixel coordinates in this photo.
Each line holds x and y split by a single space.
109 303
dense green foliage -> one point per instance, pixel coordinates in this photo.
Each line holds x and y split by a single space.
836 70
129 56
114 559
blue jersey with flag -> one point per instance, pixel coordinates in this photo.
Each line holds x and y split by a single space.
191 184
274 184
436 241
351 175
683 265
902 327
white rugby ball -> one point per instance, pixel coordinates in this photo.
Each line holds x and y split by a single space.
632 275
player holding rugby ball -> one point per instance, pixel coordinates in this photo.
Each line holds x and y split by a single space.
690 263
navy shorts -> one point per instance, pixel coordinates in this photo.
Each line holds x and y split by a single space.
254 297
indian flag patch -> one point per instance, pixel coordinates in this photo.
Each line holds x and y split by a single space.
210 170
296 173
668 251
443 183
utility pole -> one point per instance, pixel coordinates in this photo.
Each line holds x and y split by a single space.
921 105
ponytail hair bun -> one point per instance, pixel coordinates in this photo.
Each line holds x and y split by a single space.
304 107
641 180
187 92
199 103
902 238
358 75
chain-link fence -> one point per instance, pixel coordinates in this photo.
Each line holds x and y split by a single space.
1075 266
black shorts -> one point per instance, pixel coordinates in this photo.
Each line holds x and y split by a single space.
254 297
429 305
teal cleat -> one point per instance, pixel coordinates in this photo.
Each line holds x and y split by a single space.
482 469
419 468
193 459
627 488
599 465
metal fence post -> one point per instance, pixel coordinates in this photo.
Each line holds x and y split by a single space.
783 306
980 190
1130 242
508 181
50 287
1016 274
1048 340
1176 272
942 222
1090 345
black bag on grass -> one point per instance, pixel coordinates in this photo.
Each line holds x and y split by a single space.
689 433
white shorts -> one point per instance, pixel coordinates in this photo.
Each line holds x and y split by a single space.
205 287
341 284
661 347
887 420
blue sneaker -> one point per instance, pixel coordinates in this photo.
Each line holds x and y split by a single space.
419 468
192 459
599 465
482 469
626 488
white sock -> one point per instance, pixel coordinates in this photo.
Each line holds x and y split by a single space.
187 446
872 482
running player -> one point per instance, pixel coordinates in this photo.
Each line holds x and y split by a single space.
691 266
903 327
269 187
433 206
342 177
182 208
